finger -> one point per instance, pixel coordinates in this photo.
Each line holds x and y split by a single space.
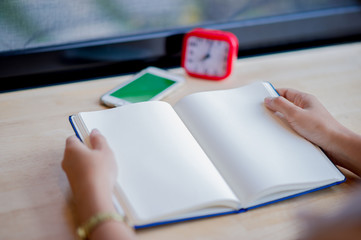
72 145
73 141
97 140
289 93
282 105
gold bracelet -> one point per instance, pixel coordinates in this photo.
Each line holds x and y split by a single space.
84 230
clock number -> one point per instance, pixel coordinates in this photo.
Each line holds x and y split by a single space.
193 43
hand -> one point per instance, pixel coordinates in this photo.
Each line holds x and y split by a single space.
93 167
306 115
309 118
92 172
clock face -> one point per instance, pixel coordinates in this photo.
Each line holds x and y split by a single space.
209 54
208 57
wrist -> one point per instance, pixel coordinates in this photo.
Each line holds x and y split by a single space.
96 221
92 199
345 149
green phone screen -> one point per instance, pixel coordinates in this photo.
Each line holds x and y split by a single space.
143 88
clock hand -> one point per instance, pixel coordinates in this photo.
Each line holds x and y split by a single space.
205 57
208 55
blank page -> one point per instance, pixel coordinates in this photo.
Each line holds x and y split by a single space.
162 169
256 152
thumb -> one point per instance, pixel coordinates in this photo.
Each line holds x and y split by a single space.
97 140
282 105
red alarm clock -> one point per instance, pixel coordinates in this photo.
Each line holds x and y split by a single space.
209 54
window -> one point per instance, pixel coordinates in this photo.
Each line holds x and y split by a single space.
73 40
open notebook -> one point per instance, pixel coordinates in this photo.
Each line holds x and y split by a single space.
212 153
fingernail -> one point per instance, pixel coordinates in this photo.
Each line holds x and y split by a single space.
95 131
71 139
267 100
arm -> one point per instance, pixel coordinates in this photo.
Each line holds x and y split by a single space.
92 173
309 118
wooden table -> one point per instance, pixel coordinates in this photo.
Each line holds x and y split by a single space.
35 198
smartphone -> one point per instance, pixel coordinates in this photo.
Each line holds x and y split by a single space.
149 84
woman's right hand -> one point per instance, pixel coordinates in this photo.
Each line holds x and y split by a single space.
309 118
